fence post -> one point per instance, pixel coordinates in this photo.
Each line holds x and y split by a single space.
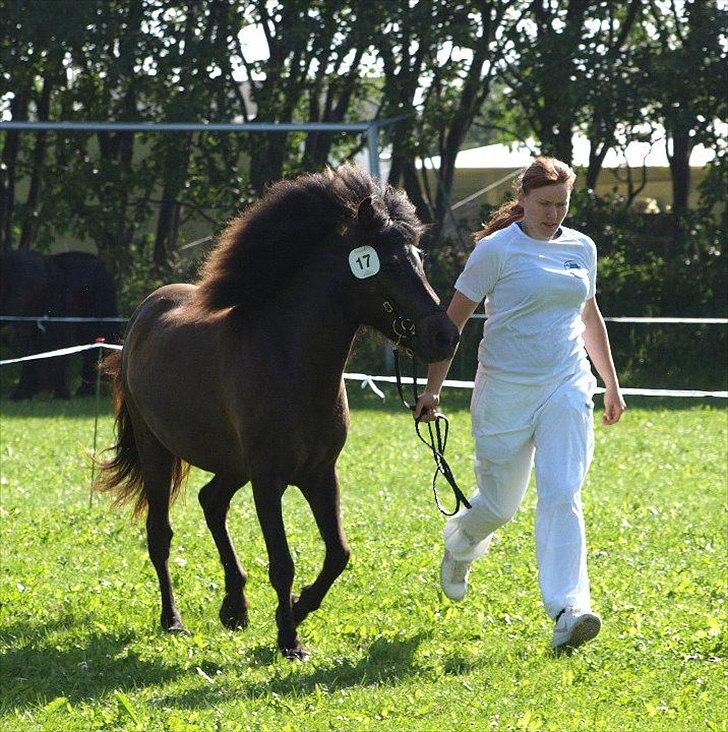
96 419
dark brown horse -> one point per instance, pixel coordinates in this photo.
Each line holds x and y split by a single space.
241 374
75 284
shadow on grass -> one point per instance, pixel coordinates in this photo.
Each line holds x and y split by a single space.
40 668
386 661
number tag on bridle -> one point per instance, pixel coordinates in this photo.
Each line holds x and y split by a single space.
364 262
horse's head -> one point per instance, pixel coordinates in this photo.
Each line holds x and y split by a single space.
392 291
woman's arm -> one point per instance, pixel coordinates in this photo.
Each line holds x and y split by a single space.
597 346
459 310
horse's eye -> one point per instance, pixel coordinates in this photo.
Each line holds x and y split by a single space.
390 263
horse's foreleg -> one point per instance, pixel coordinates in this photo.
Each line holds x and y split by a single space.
323 497
215 499
267 495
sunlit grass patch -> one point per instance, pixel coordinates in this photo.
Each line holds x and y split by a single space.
79 601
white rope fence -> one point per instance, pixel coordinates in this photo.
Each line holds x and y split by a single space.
371 381
706 321
455 384
60 352
53 319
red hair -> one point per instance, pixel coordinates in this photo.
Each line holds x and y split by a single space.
543 171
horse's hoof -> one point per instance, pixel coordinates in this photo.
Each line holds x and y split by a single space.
297 653
175 627
233 617
178 629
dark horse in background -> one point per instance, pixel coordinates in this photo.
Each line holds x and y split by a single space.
241 374
74 284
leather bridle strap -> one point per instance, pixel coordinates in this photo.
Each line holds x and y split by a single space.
437 441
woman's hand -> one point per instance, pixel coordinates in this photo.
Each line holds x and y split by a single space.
614 405
426 407
459 310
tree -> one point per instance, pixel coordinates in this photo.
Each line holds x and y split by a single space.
117 61
32 51
447 53
407 43
686 67
571 67
312 69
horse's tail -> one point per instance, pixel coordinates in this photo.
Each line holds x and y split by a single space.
122 474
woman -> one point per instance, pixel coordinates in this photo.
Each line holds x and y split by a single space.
533 391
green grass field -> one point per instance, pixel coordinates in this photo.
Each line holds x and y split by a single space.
81 650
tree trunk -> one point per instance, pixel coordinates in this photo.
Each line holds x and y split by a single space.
475 89
30 225
175 175
596 160
680 169
598 151
412 187
165 225
266 160
18 111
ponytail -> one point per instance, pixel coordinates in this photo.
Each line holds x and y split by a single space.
510 212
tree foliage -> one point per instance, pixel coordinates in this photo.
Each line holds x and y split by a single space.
451 68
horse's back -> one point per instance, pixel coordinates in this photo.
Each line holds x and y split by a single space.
161 323
167 296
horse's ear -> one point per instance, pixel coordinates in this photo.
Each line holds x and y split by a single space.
368 215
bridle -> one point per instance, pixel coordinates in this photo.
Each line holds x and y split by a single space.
405 328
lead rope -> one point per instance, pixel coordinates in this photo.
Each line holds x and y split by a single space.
437 442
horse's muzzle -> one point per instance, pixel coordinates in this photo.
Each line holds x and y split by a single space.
437 338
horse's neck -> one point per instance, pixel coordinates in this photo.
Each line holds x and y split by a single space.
321 330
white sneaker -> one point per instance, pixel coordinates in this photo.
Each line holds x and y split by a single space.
454 576
574 627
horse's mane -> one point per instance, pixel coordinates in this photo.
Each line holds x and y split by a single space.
259 249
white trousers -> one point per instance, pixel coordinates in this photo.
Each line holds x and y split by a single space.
511 422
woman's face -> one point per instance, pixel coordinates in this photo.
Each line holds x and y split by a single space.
544 209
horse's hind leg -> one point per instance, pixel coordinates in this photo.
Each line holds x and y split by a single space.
157 465
323 498
267 494
215 499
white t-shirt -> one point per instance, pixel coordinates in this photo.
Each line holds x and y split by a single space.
535 293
